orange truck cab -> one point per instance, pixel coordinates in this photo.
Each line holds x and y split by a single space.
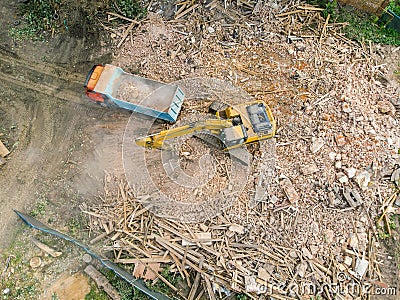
90 84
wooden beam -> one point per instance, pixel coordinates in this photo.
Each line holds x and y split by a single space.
3 150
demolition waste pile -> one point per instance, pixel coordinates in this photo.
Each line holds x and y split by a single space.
304 212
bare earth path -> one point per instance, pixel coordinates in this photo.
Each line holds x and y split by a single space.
46 123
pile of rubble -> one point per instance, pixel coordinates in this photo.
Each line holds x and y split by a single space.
243 250
316 202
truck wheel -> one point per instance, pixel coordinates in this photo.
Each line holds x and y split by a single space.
109 103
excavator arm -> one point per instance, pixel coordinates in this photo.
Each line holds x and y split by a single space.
242 124
213 126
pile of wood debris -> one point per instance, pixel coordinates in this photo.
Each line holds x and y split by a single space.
310 231
235 253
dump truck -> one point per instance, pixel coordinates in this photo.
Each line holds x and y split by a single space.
231 127
110 86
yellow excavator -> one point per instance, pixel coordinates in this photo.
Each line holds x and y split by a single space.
232 127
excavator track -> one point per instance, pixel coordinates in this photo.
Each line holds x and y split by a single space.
210 139
241 154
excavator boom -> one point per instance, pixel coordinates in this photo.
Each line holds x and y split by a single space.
242 124
157 140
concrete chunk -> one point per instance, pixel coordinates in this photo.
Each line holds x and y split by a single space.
289 190
361 267
237 228
363 179
308 169
317 145
352 197
306 253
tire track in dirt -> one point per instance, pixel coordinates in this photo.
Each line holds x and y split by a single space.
36 159
48 129
47 69
46 79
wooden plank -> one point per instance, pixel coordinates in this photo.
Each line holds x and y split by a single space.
98 238
171 248
127 31
310 8
3 150
195 286
201 237
186 11
323 31
210 291
193 255
198 242
102 282
138 271
46 248
143 210
95 215
200 295
288 13
122 17
152 270
181 269
153 259
136 247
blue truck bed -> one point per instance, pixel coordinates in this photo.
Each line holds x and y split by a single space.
114 87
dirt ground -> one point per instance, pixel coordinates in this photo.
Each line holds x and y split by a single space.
39 127
61 145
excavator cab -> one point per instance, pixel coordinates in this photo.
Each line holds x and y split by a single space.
251 122
259 119
234 136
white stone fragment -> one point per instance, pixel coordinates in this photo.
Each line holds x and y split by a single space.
332 156
351 172
363 179
348 260
343 179
317 145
